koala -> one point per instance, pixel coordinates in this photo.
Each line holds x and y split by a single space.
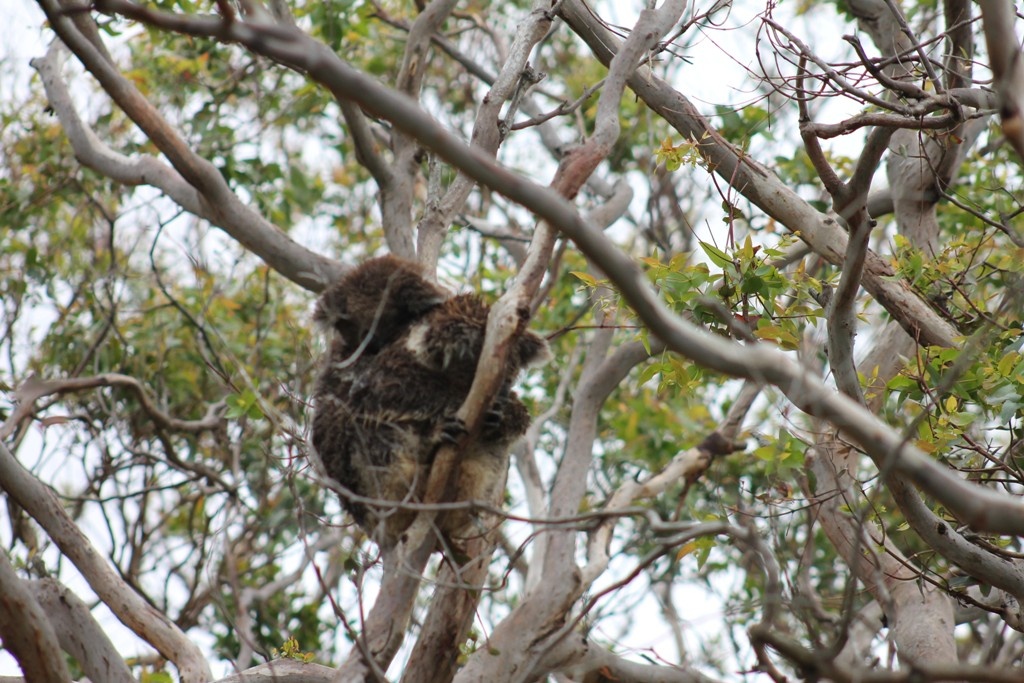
381 417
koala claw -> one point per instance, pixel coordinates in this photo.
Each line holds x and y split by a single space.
453 429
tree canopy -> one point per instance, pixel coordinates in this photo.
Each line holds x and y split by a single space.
776 251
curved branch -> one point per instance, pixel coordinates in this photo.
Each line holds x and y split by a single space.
588 660
951 544
1004 52
34 388
847 126
26 631
79 633
686 466
283 671
850 200
921 617
765 190
297 50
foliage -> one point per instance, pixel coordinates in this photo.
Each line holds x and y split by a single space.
185 461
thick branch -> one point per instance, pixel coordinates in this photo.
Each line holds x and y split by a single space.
283 671
26 631
588 660
920 616
977 506
1008 67
79 633
385 626
821 233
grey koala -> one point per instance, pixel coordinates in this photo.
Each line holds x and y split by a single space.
397 370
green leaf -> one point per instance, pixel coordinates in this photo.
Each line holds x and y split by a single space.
716 255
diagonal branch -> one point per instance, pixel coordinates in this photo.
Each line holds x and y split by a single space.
998 17
297 50
79 634
521 640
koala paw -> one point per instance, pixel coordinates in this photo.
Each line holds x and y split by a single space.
494 417
453 429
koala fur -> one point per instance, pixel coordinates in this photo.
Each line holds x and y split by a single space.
382 414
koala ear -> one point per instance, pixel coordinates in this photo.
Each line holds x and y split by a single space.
532 350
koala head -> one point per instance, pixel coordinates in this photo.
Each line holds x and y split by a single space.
376 301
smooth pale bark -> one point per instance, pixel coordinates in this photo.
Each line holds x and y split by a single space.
920 616
79 634
764 189
26 632
547 607
998 18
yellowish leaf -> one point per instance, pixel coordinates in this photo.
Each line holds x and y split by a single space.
587 278
686 549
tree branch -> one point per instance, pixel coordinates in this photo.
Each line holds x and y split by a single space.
79 633
851 203
998 17
821 233
920 616
283 671
26 631
982 509
766 191
487 135
586 660
33 389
